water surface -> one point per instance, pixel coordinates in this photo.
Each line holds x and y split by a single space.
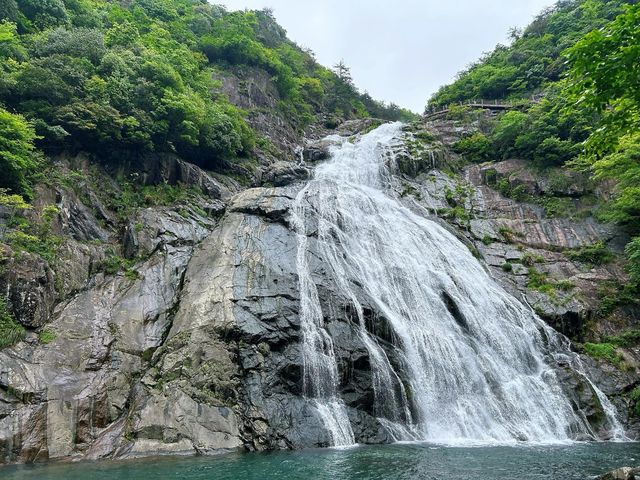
392 462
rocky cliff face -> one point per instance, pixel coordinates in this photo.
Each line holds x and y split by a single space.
192 344
197 352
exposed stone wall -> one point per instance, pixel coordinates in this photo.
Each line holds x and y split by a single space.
197 350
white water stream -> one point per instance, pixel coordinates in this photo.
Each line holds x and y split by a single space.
474 360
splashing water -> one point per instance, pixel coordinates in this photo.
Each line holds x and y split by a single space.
472 359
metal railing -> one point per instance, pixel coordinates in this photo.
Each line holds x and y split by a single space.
496 104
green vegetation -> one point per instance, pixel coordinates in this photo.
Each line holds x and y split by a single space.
456 213
610 91
11 332
507 233
535 57
410 190
25 235
596 254
114 264
633 253
604 351
517 192
119 80
574 75
459 196
46 336
461 202
133 195
541 282
475 148
553 206
564 285
15 205
25 242
17 156
612 295
529 259
141 75
635 398
630 338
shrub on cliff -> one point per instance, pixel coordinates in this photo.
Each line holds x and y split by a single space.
11 332
17 156
633 253
475 148
533 60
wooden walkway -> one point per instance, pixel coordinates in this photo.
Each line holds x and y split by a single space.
496 105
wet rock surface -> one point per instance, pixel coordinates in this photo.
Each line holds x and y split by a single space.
513 237
195 349
624 473
199 353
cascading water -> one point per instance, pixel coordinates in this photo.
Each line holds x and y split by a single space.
474 359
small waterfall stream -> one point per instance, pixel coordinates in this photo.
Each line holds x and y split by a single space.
475 359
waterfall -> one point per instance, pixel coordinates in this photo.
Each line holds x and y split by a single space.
474 360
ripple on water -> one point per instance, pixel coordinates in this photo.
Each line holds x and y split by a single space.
393 462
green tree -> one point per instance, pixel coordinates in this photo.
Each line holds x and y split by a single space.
510 126
553 151
44 13
9 11
17 156
623 166
96 75
603 79
604 74
475 148
10 48
534 59
79 42
343 72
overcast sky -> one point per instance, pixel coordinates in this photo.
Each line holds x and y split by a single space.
403 50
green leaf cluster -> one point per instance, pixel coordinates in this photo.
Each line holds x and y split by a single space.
604 351
603 79
17 155
595 254
11 332
581 60
534 59
147 75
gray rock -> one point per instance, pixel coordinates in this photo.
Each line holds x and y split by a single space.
624 473
152 227
28 284
78 221
318 151
281 173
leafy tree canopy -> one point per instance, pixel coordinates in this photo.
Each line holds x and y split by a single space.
582 59
17 157
99 75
